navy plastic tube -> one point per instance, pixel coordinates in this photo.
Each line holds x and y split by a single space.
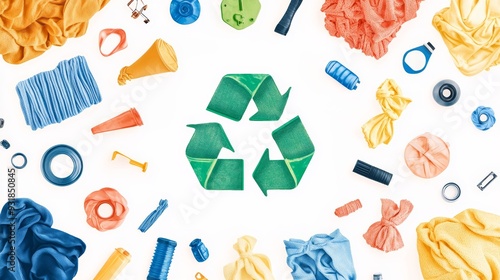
285 22
372 172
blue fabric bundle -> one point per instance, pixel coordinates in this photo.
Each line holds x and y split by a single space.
52 96
323 257
31 249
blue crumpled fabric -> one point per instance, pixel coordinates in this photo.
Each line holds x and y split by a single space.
41 252
322 257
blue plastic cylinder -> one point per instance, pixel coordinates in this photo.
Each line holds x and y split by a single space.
161 259
199 250
342 74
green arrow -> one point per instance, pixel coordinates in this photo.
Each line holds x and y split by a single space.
202 152
297 150
270 103
234 92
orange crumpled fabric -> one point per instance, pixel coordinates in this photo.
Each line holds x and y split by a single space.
384 235
30 27
368 25
427 155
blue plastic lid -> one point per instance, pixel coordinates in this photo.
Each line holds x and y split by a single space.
185 11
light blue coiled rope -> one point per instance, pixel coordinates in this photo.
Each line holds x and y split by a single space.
52 96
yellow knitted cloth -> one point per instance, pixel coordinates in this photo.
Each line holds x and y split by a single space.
466 247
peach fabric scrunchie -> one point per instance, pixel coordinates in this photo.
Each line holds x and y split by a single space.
368 25
384 235
427 155
108 196
249 266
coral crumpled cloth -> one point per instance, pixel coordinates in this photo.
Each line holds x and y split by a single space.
466 247
380 128
471 31
427 155
384 235
30 27
368 25
249 266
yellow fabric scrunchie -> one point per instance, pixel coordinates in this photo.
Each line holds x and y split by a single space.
471 31
249 266
380 128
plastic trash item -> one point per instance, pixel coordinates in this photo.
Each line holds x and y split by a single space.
240 14
75 157
426 50
162 259
114 265
185 11
108 31
200 252
159 58
285 22
371 172
5 144
143 166
126 119
446 92
342 74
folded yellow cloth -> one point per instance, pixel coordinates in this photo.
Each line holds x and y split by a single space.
466 247
471 31
380 128
30 27
249 266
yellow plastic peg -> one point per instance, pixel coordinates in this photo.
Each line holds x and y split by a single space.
143 166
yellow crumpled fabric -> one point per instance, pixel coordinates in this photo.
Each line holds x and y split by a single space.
30 27
249 266
380 128
471 31
466 247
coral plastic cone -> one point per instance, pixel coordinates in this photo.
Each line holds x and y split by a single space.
126 119
159 58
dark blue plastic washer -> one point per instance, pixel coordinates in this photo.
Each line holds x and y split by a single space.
21 166
56 150
185 11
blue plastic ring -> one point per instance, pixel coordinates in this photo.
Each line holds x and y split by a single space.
19 155
451 198
50 154
426 50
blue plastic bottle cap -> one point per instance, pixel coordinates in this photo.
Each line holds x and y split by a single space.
24 160
185 11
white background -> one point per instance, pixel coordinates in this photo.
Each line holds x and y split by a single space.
206 51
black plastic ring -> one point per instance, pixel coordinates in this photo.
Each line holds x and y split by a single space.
19 155
450 86
50 154
447 198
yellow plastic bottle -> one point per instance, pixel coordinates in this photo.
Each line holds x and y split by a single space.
114 265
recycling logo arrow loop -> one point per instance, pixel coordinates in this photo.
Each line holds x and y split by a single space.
230 100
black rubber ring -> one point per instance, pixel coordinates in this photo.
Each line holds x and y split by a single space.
447 198
449 85
19 155
50 154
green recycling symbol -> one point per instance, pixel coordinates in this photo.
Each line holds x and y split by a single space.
230 100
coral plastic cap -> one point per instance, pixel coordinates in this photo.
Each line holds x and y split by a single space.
126 119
